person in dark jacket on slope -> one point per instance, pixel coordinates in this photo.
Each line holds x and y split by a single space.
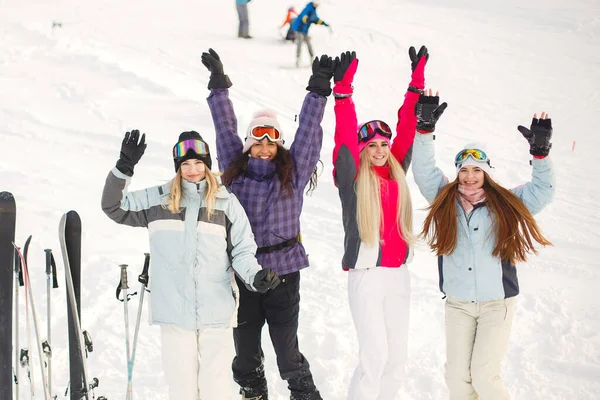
270 180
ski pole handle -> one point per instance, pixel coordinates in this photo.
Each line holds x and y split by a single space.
124 276
143 278
48 261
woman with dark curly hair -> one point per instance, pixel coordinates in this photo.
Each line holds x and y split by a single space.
269 181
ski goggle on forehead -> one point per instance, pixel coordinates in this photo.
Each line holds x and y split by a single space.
371 128
476 154
196 145
265 132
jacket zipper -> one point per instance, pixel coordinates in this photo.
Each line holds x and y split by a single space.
468 218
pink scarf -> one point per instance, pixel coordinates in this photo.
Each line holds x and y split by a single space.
470 197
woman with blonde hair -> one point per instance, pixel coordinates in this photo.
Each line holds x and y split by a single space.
479 230
369 171
200 237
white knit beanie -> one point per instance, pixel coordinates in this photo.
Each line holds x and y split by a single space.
485 166
262 118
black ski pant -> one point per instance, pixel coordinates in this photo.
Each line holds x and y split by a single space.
279 308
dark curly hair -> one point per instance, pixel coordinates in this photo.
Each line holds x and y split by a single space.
284 166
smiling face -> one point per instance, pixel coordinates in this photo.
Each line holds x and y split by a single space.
193 170
264 149
471 177
378 152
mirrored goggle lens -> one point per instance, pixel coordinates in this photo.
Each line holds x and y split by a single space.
197 146
368 130
268 132
476 154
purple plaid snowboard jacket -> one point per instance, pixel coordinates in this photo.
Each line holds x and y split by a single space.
274 217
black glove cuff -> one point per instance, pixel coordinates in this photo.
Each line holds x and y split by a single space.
124 167
540 151
319 85
219 82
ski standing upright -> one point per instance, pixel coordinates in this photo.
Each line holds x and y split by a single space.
70 243
8 212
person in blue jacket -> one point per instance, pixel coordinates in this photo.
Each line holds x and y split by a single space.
479 230
200 239
301 24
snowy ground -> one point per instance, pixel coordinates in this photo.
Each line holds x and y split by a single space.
69 93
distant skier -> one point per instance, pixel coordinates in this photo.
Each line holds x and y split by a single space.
244 21
289 21
307 17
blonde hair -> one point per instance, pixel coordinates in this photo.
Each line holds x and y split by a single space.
212 187
368 210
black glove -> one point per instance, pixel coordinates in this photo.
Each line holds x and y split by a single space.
218 79
342 64
428 110
131 151
322 72
538 136
266 279
415 57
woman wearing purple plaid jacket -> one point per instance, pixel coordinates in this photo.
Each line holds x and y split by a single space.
269 180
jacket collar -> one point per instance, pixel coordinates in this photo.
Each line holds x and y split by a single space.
260 170
382 171
190 188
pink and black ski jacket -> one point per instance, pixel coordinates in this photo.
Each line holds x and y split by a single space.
392 251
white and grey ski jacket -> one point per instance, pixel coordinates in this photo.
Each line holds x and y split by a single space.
191 277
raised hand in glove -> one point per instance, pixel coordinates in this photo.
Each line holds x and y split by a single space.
428 110
322 72
265 279
538 135
212 62
347 64
132 151
417 64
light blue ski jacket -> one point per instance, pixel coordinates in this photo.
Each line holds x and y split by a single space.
471 273
191 277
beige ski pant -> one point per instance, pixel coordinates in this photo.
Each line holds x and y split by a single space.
477 336
197 365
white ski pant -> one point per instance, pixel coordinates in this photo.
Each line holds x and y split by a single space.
380 306
197 365
477 336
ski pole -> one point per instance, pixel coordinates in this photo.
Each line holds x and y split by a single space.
24 360
143 279
124 288
35 319
17 271
50 273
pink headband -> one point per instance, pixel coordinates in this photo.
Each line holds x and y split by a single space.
362 145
